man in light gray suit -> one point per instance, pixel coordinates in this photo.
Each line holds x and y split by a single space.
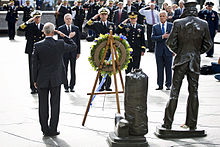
164 56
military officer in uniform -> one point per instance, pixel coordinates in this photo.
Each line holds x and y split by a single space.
211 17
27 9
135 36
102 27
111 8
33 33
11 18
79 15
139 4
62 10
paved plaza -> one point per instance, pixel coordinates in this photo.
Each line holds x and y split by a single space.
19 125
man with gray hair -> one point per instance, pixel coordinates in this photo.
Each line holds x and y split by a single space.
48 70
160 33
179 11
73 32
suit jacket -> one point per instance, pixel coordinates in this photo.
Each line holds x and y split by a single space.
177 13
48 67
98 27
160 45
76 38
135 37
32 34
188 39
124 16
133 8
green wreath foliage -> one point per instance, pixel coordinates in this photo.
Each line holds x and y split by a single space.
107 66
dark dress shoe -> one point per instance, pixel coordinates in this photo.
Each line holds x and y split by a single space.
209 56
168 88
108 89
46 134
72 90
159 88
34 91
168 127
54 133
66 90
192 128
102 89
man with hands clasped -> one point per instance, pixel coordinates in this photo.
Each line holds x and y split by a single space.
164 56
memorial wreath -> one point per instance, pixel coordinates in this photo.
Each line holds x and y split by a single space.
123 50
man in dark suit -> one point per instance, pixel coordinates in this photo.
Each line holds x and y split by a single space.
11 18
179 11
73 32
135 37
48 74
33 33
119 15
163 55
102 27
188 39
211 17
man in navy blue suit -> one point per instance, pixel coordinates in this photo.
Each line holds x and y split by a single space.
164 56
179 11
70 57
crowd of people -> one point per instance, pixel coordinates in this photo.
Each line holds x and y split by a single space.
98 17
87 19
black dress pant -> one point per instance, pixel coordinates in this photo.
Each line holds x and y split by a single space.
30 72
70 58
134 63
43 94
192 102
151 44
107 83
11 30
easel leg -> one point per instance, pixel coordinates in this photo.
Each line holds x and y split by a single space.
113 52
90 99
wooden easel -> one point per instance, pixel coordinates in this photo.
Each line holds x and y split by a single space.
115 65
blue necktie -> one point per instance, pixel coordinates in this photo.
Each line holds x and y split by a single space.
163 30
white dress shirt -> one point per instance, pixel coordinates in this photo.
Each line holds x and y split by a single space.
148 15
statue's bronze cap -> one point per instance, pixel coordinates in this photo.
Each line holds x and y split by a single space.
190 3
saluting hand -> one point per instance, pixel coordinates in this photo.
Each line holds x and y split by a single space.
96 16
60 33
126 20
